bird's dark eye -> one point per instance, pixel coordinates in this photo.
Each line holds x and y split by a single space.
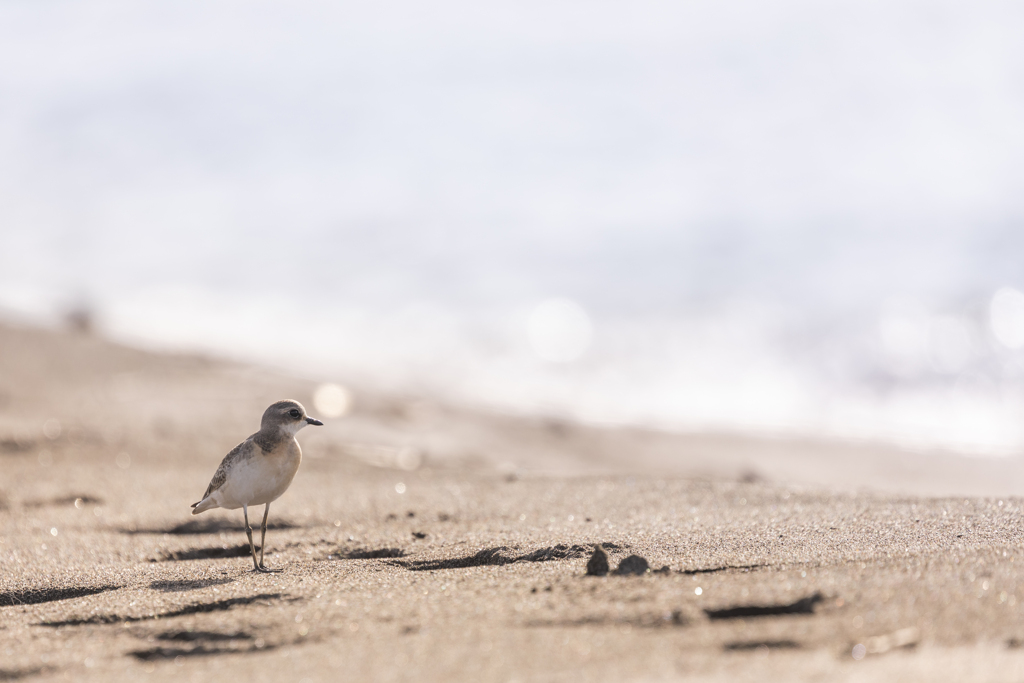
295 413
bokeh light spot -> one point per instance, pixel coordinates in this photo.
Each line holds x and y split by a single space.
952 344
51 429
904 331
1006 316
332 400
560 330
408 459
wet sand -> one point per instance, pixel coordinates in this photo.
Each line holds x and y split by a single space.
425 542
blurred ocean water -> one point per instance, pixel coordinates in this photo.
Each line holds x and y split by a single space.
789 217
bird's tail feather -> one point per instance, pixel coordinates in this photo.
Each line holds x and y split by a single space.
203 505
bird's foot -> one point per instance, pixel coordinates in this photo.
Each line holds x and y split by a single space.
263 569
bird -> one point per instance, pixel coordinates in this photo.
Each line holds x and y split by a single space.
260 469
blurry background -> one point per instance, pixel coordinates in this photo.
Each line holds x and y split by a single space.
792 217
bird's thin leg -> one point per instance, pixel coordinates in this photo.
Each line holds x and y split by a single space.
263 534
262 541
248 532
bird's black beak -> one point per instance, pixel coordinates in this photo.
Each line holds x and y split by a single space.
314 421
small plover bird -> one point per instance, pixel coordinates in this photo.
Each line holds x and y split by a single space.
258 470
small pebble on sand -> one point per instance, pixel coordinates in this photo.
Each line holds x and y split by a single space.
598 563
634 564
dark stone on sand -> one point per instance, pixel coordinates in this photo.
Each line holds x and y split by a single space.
598 563
634 564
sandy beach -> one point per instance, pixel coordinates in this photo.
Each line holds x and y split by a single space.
427 542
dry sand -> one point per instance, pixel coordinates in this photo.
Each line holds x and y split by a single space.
773 559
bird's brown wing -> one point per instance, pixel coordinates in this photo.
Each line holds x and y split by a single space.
242 451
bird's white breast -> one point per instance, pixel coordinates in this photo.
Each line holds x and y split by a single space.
261 478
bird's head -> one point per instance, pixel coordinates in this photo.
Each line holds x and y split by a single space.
288 416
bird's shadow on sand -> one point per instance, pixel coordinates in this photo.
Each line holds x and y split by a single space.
191 585
214 553
209 525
